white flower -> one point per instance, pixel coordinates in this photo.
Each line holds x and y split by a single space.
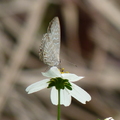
110 118
65 98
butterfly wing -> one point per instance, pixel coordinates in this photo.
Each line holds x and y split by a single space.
50 45
42 45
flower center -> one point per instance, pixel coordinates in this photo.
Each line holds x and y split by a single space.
62 70
59 83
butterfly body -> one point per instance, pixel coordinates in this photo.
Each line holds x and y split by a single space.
50 44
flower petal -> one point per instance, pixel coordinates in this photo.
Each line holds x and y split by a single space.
53 72
79 94
110 118
37 86
71 77
65 97
54 96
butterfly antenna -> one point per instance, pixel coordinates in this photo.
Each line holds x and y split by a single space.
69 62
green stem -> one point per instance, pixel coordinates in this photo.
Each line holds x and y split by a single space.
58 115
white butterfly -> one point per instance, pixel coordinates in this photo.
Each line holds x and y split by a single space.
50 45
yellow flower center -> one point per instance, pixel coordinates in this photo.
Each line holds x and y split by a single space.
62 70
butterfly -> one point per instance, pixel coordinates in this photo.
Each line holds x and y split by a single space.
50 44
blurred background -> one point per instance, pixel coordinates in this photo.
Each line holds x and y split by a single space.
90 47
